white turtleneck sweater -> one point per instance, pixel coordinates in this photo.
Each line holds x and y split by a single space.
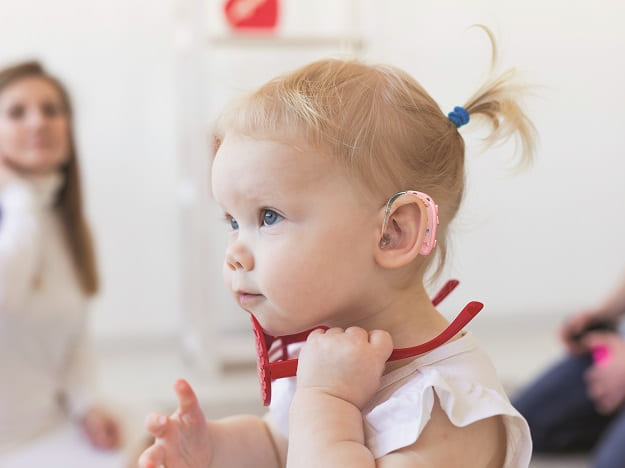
45 368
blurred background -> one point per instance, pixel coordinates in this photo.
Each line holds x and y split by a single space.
147 79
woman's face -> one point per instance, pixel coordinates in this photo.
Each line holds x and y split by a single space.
34 126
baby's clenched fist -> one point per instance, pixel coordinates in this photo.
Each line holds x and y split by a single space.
346 364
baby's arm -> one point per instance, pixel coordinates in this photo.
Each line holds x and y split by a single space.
339 371
326 431
338 374
187 440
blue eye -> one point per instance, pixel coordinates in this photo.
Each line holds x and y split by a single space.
270 217
234 225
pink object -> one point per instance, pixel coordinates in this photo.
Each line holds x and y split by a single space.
245 15
601 355
284 367
431 208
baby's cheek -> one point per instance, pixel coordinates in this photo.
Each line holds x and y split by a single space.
282 285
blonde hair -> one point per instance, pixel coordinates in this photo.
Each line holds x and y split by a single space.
382 125
69 202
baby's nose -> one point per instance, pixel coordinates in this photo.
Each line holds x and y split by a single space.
238 257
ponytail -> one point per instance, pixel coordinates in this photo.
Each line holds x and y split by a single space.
497 103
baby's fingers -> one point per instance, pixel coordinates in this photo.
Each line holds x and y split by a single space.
358 333
382 341
188 405
156 424
154 457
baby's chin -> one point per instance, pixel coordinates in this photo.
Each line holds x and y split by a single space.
276 327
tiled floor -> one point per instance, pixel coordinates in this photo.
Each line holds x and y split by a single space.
140 377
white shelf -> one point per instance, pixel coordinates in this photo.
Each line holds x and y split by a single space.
259 40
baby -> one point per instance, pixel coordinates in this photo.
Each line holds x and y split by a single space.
329 178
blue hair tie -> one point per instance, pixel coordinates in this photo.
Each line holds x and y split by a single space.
459 116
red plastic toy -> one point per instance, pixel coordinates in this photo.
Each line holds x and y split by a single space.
285 367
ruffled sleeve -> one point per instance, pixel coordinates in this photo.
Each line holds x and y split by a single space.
463 378
468 391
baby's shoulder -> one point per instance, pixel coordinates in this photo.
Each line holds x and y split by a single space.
452 394
480 444
460 369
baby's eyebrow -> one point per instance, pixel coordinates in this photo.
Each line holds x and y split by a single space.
259 196
246 199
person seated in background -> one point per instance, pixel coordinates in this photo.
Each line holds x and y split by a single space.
47 276
578 405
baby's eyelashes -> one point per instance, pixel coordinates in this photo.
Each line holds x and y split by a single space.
266 218
231 222
270 217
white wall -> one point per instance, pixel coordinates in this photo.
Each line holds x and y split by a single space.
545 241
551 239
117 60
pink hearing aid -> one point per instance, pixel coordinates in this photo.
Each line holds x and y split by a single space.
284 367
431 213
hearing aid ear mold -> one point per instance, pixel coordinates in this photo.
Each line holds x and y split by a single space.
431 214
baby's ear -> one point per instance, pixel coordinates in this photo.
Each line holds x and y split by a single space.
404 233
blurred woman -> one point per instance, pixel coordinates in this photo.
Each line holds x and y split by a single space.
47 269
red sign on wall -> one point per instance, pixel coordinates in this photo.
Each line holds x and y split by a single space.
252 14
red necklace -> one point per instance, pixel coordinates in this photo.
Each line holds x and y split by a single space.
284 367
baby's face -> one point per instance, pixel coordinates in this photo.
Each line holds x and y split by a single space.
302 240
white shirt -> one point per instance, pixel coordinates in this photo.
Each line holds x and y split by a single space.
465 382
44 366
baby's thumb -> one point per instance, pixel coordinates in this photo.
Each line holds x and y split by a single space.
153 457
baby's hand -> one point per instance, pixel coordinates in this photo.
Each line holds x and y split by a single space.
346 364
182 439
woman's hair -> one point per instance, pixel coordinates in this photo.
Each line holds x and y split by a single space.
69 201
382 125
